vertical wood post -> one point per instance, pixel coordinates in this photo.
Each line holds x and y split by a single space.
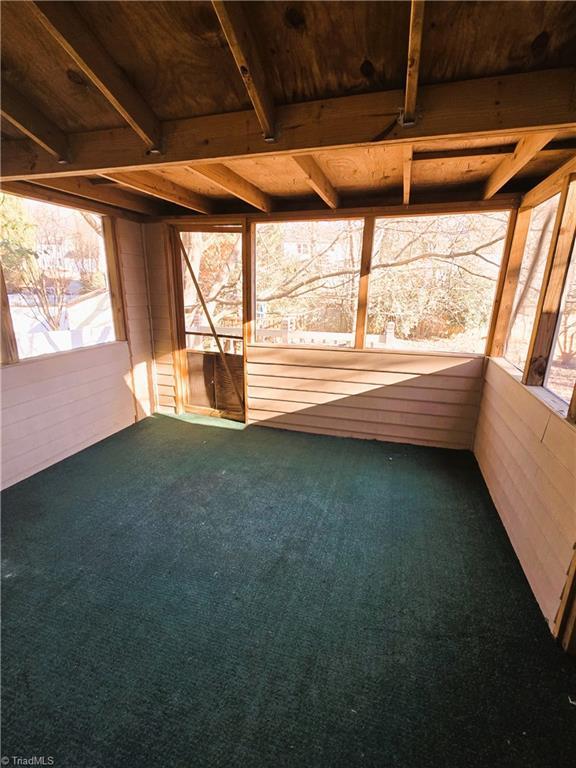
9 345
365 261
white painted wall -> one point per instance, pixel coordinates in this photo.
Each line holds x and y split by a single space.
55 405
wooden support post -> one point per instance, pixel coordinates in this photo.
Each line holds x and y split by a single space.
210 322
511 263
542 341
572 407
177 319
114 277
365 261
9 345
248 298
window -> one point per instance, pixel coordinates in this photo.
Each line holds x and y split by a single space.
307 281
216 258
433 281
561 375
54 265
530 281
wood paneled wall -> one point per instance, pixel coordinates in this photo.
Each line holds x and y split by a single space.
131 257
402 397
55 405
160 281
527 454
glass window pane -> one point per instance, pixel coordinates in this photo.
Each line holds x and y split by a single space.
561 375
216 259
307 281
530 281
56 276
433 281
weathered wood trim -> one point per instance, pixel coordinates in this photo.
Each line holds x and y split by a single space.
542 340
363 284
9 345
114 277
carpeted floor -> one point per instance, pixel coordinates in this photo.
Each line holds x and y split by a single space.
185 595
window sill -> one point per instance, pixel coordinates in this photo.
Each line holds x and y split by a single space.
64 353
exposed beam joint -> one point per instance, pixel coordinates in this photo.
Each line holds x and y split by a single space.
243 47
317 179
526 149
235 184
68 28
33 123
406 172
158 186
413 68
550 185
491 106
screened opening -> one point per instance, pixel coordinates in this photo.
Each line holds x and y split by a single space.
307 275
561 376
433 281
530 281
216 258
56 275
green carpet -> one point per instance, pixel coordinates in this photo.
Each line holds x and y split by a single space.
184 595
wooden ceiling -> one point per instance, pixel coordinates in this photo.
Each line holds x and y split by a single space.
168 107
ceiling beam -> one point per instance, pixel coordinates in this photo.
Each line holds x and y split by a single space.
526 149
413 67
243 47
159 186
550 185
33 191
70 31
491 106
111 194
235 184
40 129
406 172
317 179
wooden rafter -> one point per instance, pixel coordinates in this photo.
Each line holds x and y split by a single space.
241 41
407 159
109 194
235 184
158 186
547 313
550 185
526 149
512 103
33 123
317 179
413 67
68 28
34 191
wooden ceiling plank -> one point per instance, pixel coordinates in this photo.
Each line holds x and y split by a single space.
413 67
238 186
68 28
550 185
407 172
243 47
317 179
526 149
110 194
491 106
21 113
163 188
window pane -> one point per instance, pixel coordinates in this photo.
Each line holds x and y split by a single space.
56 276
307 281
562 369
433 281
216 259
530 281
